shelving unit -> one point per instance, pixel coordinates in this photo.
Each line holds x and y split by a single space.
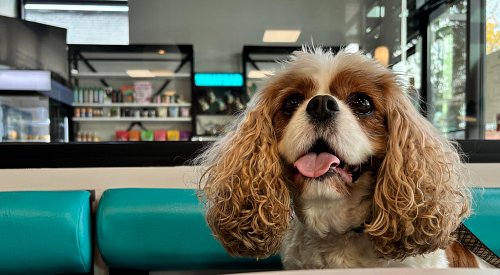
164 67
132 119
216 103
109 75
132 105
261 59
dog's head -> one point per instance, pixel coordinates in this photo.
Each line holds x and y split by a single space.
334 139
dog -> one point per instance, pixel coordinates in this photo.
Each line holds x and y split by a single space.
332 166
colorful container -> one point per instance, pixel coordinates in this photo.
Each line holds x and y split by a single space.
147 135
134 135
160 135
184 135
173 135
121 135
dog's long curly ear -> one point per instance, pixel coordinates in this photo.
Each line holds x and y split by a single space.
420 195
247 199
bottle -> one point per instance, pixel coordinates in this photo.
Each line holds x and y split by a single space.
87 95
91 96
101 96
80 95
75 95
114 96
498 122
119 96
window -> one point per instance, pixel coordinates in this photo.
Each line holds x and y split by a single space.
103 23
447 52
492 71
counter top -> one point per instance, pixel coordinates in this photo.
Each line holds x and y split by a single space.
105 154
143 154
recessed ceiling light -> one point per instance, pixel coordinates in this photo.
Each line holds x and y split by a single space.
352 48
259 74
162 72
281 36
376 11
140 73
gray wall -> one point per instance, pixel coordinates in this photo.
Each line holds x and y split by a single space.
218 29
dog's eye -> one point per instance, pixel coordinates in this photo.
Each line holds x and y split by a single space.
360 103
291 103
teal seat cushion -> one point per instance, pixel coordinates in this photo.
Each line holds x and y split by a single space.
45 232
484 223
161 229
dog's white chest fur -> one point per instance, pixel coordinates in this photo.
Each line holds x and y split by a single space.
303 249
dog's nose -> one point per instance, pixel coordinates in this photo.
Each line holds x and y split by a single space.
322 107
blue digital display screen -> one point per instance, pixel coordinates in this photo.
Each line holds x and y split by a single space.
218 79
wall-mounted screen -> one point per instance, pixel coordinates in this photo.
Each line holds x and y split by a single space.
34 46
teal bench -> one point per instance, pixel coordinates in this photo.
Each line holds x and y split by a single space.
138 229
45 232
165 229
162 229
484 222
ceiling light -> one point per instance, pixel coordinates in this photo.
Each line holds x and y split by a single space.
259 74
140 73
352 48
281 36
74 7
382 55
376 12
162 72
161 51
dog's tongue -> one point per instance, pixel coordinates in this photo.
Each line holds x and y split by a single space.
313 165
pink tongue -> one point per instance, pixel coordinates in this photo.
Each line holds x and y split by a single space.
313 165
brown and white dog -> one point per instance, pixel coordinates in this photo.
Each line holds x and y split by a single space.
332 166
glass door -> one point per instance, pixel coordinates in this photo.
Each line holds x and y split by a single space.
492 71
447 32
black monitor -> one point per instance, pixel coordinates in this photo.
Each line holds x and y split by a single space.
33 46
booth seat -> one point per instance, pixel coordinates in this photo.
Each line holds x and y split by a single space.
162 229
139 229
45 232
484 222
165 229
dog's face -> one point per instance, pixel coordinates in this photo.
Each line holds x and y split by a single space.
332 133
334 139
331 124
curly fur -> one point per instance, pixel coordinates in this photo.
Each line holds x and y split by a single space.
410 199
420 196
248 202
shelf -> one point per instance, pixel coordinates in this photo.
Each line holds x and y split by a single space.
25 140
138 105
218 115
125 75
205 138
131 119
